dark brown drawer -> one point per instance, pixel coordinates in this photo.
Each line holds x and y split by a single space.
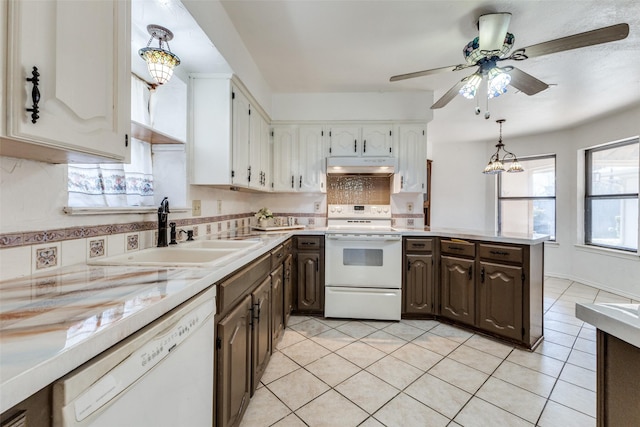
277 256
418 245
501 253
465 249
308 242
231 290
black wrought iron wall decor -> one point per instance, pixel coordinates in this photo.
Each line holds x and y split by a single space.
35 94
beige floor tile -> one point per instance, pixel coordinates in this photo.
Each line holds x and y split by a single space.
404 411
417 356
555 415
587 334
559 338
279 366
425 325
289 337
528 379
291 420
332 369
384 341
565 318
356 329
436 343
265 410
512 399
575 397
490 346
585 345
395 372
333 339
310 328
331 410
556 351
371 422
537 362
360 353
461 376
367 391
404 331
297 388
305 352
438 395
478 413
582 359
334 323
476 359
294 320
579 376
562 327
378 324
453 333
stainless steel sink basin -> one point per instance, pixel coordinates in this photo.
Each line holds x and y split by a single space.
169 257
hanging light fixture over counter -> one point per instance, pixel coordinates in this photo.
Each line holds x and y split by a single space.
160 62
496 164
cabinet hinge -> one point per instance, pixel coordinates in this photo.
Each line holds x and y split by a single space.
272 133
126 139
321 133
423 132
522 332
389 149
218 343
329 150
249 111
233 174
329 133
389 133
233 95
522 277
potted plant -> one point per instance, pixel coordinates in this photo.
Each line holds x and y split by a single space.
263 216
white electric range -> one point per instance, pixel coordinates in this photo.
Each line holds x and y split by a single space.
363 263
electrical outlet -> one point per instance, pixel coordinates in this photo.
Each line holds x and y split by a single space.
316 206
196 208
219 206
409 207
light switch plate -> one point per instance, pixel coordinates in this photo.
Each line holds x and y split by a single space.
196 208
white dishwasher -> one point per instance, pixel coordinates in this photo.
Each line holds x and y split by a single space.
160 376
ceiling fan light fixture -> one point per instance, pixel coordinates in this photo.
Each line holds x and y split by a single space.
498 82
471 86
160 62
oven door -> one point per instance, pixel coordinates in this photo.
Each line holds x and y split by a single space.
363 260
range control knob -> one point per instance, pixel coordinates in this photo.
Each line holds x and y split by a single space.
332 209
385 209
339 209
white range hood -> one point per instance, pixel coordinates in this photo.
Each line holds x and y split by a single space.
361 165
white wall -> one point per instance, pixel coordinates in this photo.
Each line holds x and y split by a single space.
463 197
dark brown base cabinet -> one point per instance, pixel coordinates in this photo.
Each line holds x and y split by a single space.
261 331
310 274
287 288
492 288
277 291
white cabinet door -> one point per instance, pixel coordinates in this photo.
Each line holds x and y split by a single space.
255 150
240 139
266 150
82 52
376 140
412 159
343 141
285 158
311 156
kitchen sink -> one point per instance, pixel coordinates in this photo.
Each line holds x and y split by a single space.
169 257
222 244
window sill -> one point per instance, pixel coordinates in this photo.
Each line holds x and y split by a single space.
608 252
118 211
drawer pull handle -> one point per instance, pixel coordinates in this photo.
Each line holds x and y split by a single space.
418 245
35 95
455 248
498 253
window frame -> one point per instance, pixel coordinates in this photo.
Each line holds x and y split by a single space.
500 198
590 197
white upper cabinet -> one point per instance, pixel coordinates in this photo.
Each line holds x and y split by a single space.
411 150
229 135
298 156
365 141
81 50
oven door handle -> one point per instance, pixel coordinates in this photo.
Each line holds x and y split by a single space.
364 238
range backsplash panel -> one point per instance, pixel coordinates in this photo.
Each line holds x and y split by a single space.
358 190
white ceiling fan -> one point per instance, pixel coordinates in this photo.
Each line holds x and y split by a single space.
492 46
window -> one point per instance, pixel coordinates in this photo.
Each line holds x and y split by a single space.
611 195
527 200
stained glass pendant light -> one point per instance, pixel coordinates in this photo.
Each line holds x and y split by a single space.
496 164
160 62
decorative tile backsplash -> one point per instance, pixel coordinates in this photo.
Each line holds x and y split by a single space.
46 256
97 248
353 190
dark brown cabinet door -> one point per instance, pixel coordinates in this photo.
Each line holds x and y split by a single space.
287 288
261 319
277 304
457 290
310 291
500 299
234 364
418 292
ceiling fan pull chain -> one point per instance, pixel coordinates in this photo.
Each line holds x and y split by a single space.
487 114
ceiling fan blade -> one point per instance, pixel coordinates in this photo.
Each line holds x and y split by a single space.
430 72
588 38
525 82
451 93
493 29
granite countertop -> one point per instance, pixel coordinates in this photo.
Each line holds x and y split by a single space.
51 323
620 320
